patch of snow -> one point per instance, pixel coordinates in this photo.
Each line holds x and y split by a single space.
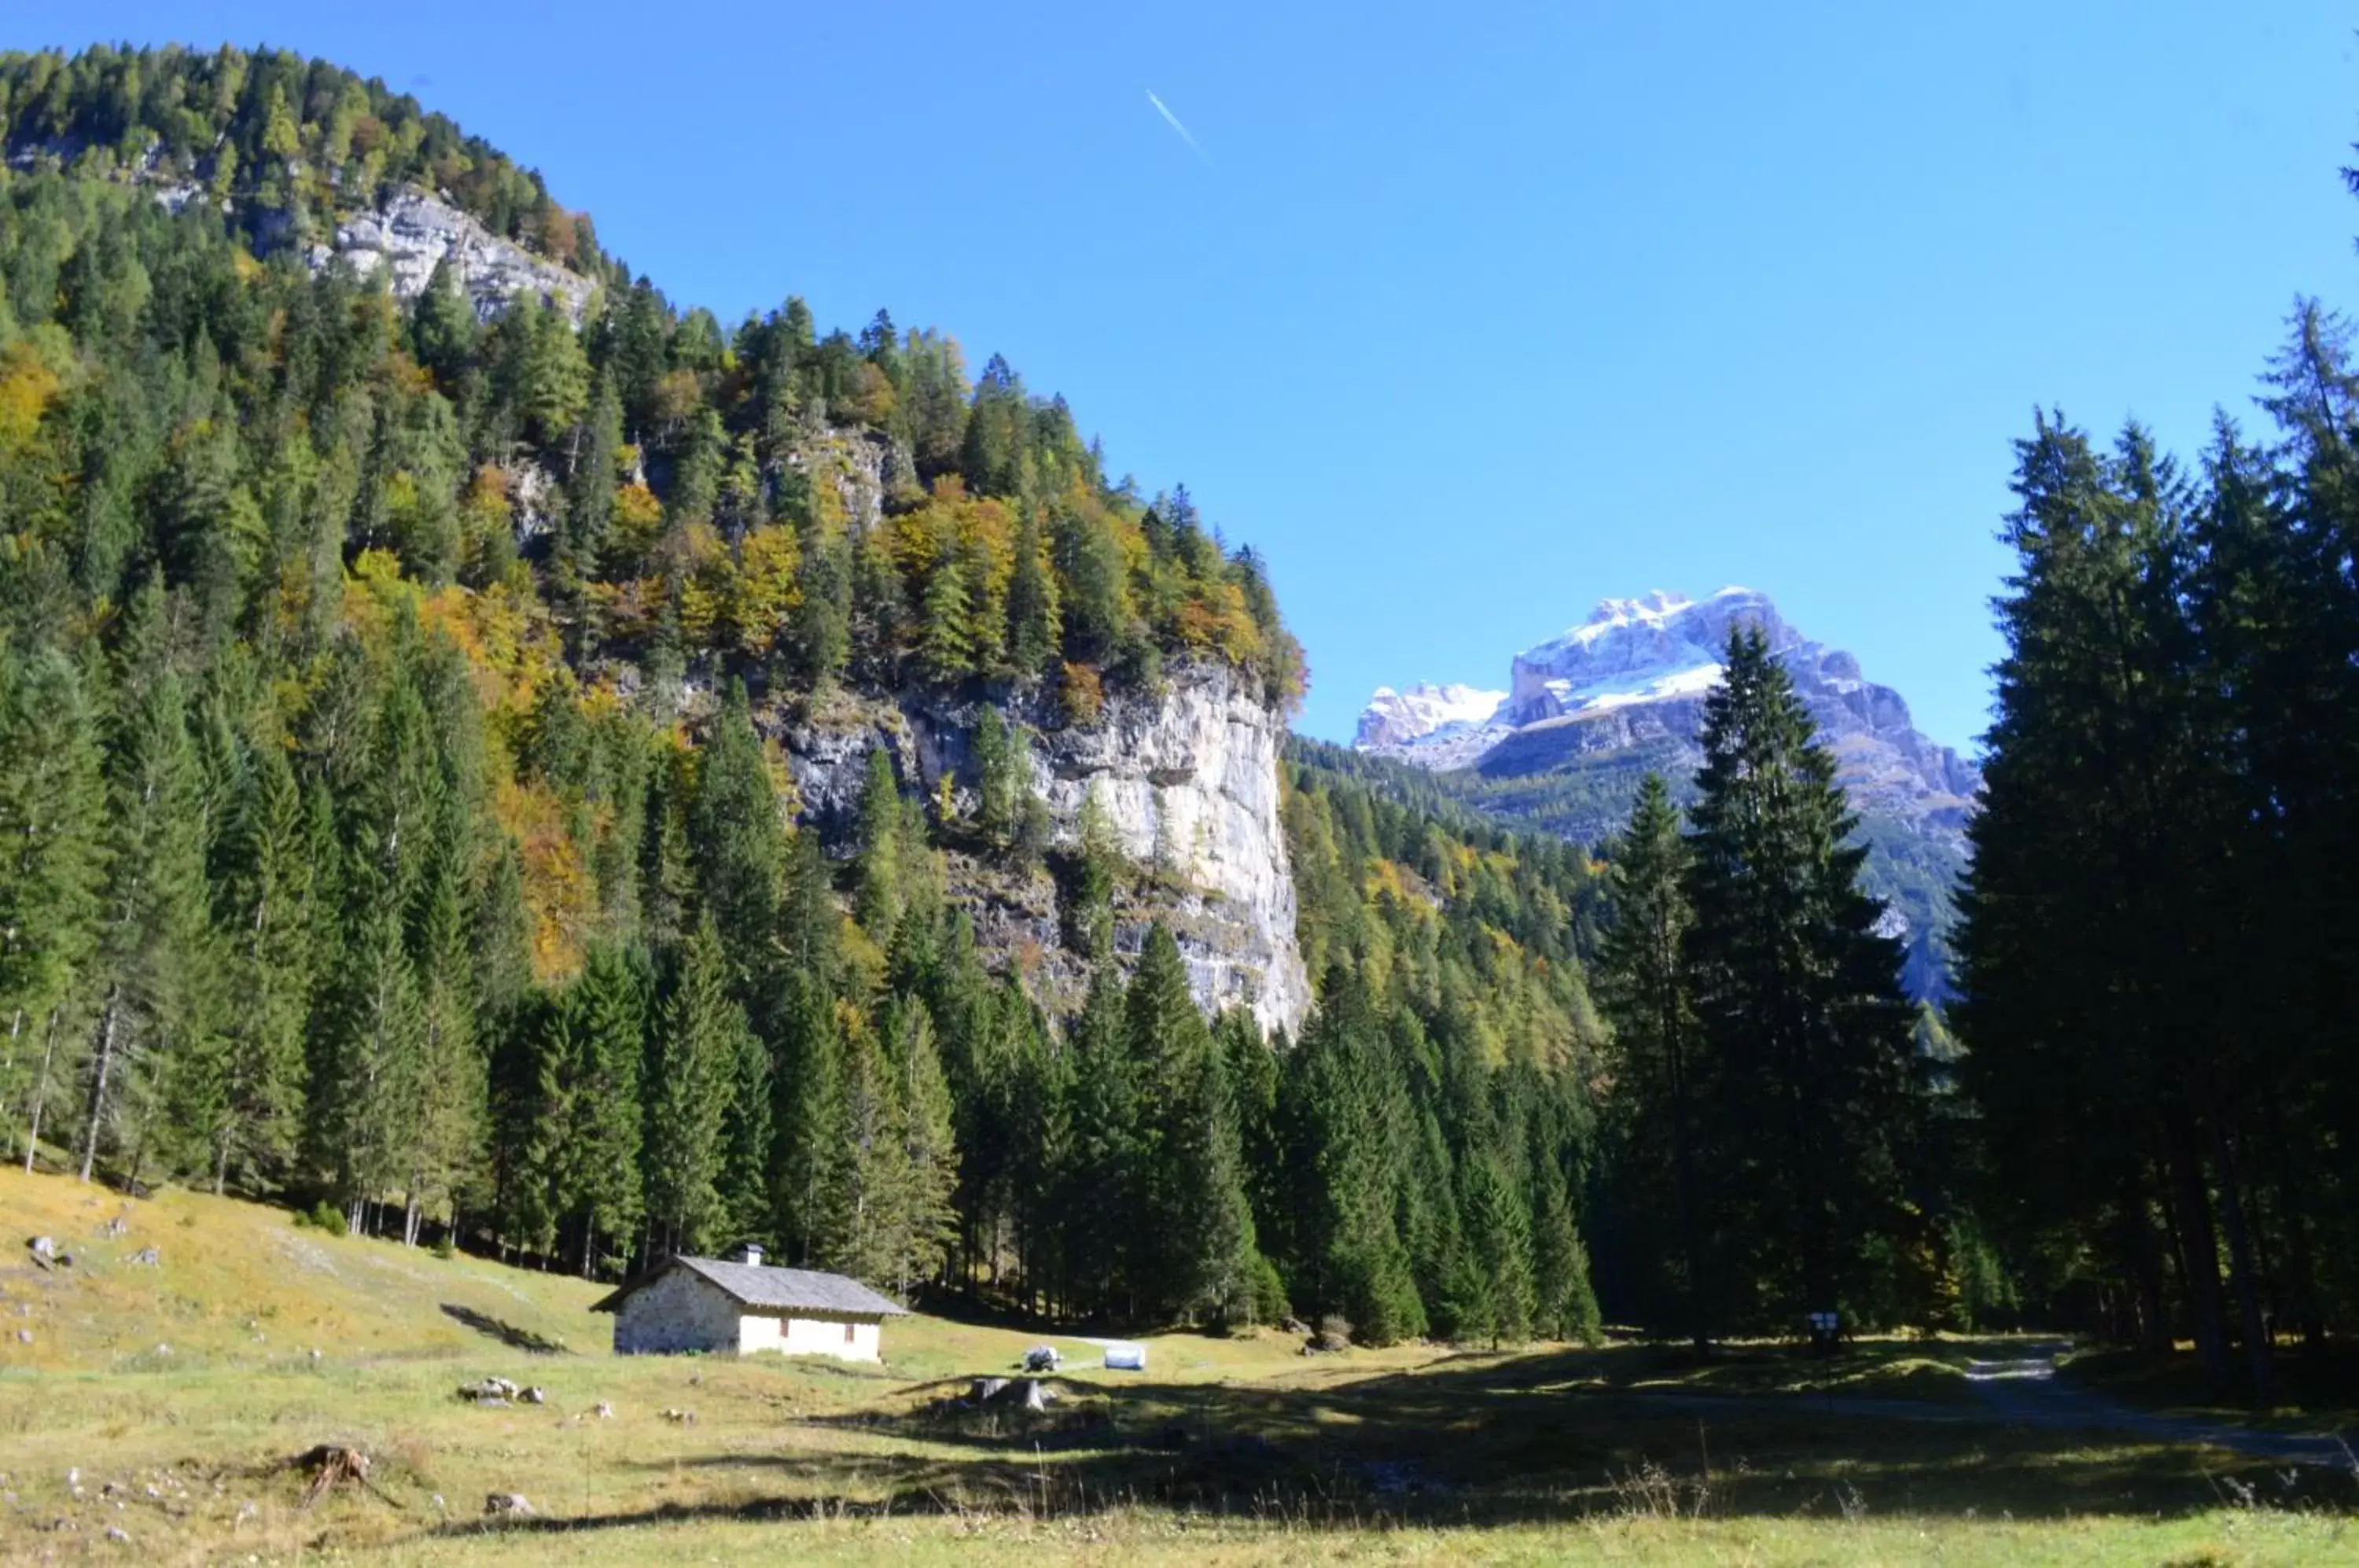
1396 718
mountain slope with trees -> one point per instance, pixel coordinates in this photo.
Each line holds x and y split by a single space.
403 815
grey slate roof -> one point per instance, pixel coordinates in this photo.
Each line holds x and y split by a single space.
759 1285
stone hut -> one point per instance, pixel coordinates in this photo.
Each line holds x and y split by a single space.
738 1307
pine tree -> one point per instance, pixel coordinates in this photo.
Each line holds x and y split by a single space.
923 1222
1101 1191
1031 604
1000 766
667 871
691 1083
601 1186
1197 1251
53 809
152 938
1089 916
864 1225
368 1070
1797 997
813 922
810 1119
443 1152
266 868
740 845
1645 982
1347 1138
819 640
1216 1224
1564 1305
2097 990
1497 1225
947 637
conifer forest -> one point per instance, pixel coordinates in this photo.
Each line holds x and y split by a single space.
397 823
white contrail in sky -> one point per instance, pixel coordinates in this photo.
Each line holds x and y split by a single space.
1173 121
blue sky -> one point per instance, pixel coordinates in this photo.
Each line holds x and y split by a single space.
1472 315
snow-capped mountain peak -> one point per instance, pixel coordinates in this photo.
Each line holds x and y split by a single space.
1637 650
1396 718
1590 711
1645 665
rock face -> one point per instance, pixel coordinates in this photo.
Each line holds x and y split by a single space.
406 234
1587 713
1187 777
1424 712
412 232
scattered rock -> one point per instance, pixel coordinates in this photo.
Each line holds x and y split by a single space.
315 1355
115 1227
533 1396
147 1257
44 1250
116 1532
24 1337
508 1505
490 1390
1041 1358
1293 1325
685 1418
604 1409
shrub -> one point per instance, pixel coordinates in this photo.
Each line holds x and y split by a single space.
323 1215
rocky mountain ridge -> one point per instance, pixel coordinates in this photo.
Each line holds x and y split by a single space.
408 231
1424 713
1587 713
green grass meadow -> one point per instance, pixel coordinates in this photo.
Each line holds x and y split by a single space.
162 1402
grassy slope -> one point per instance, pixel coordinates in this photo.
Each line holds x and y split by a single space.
1227 1451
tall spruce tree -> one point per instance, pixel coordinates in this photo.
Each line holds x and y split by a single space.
52 819
600 1188
693 1065
153 931
1659 1093
1796 996
740 843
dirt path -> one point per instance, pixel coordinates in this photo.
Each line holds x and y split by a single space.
2025 1391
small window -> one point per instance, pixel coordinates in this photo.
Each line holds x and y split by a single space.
847 1334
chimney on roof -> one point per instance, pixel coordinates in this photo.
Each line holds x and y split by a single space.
750 1253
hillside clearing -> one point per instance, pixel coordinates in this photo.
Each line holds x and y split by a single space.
1227 1451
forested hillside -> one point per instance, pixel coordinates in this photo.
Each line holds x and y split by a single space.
397 821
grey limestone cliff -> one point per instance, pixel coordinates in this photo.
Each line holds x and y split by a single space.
1187 777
